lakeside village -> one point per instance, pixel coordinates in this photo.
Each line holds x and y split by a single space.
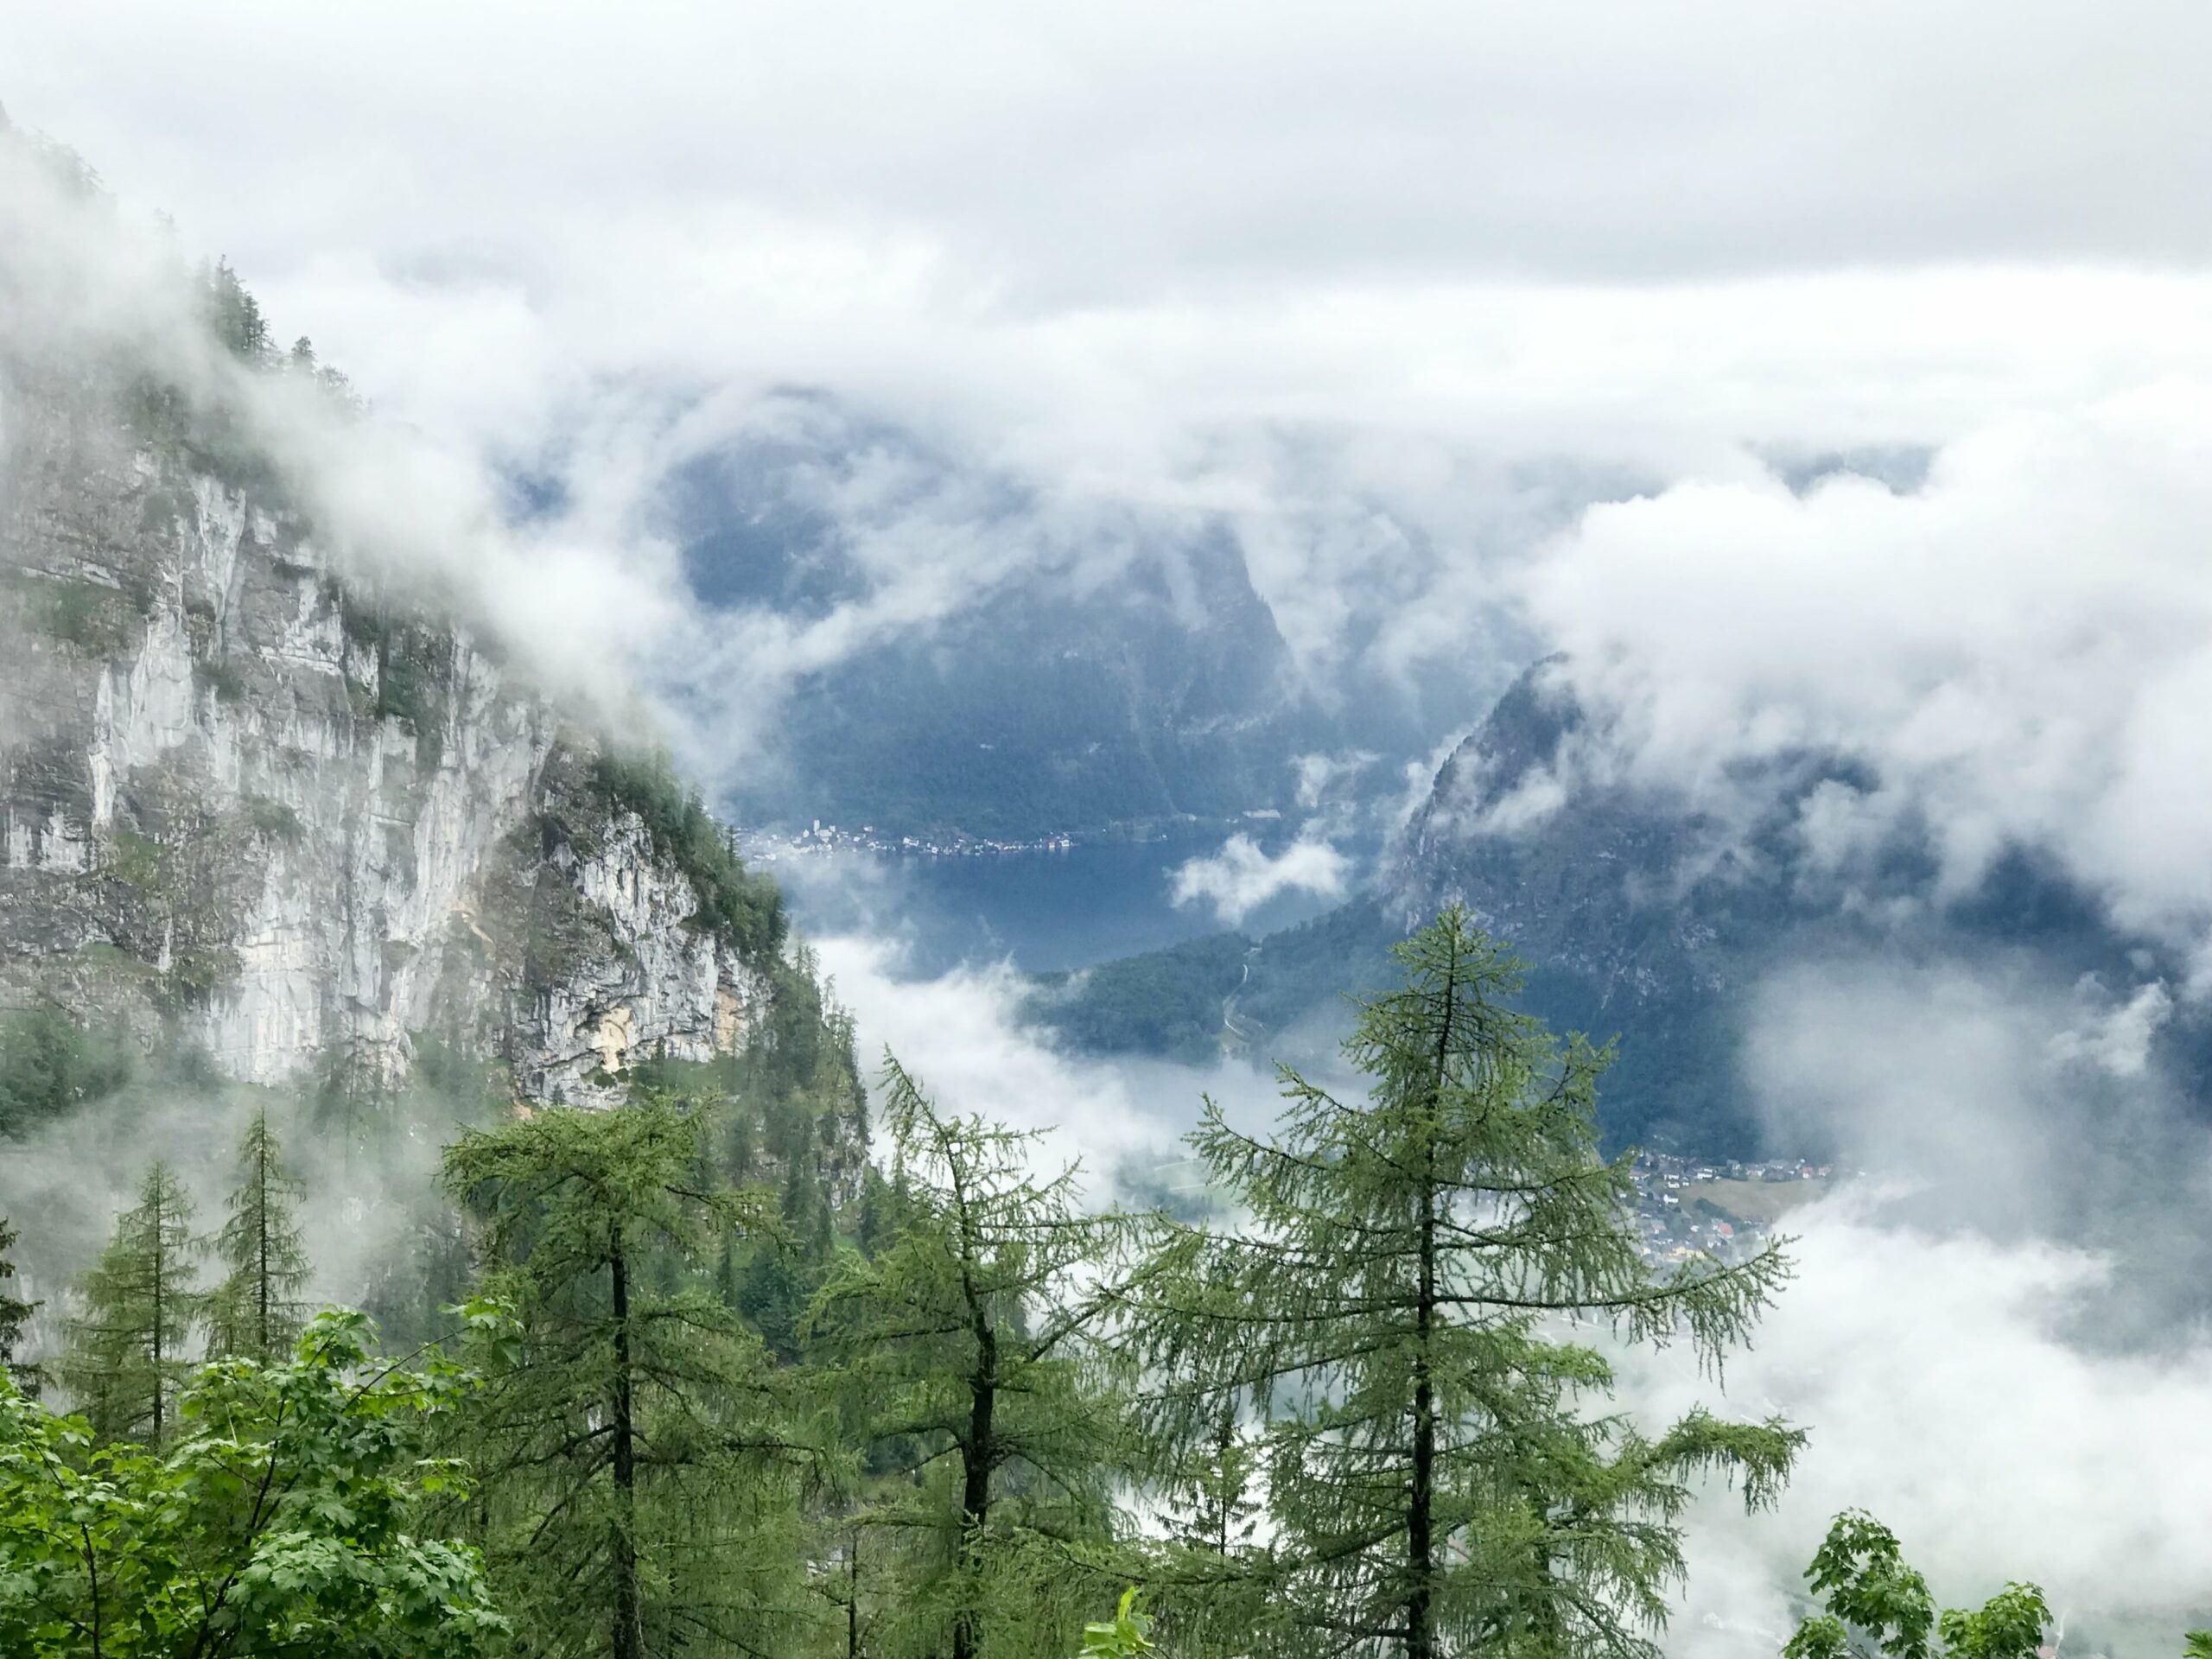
1724 1208
767 846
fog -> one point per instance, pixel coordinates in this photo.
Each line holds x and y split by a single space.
368 1166
2018 650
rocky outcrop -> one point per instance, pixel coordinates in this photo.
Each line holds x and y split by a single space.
248 802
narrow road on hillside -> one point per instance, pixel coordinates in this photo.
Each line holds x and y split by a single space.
1233 1030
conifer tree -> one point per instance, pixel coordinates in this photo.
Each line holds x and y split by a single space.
1212 1560
257 1312
15 1314
970 1340
126 1357
633 1455
1388 1308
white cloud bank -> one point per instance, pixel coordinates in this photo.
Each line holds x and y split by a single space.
1941 1395
1395 291
1243 875
2021 650
1996 1336
962 1035
84 288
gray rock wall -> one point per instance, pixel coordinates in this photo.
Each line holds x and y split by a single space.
245 802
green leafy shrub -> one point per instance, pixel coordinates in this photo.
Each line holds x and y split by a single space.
1860 1576
289 1517
1121 1635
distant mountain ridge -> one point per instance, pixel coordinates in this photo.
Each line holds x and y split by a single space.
1641 915
1127 678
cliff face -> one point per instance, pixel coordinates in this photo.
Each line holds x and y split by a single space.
252 805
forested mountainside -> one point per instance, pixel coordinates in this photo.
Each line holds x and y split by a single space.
1106 677
285 835
1646 918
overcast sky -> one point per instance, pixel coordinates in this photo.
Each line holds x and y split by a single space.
1117 220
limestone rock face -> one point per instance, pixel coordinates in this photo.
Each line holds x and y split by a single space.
247 802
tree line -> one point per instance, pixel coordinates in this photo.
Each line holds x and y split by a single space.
1358 1409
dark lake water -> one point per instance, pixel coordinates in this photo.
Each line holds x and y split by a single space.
1045 909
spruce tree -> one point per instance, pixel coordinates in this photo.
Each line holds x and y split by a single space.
969 1340
1390 1309
257 1312
15 1314
126 1357
638 1480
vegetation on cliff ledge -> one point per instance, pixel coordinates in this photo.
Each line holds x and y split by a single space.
744 910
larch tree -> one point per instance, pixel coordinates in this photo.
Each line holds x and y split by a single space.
1210 1557
15 1314
257 1312
970 1340
126 1357
1390 1311
633 1450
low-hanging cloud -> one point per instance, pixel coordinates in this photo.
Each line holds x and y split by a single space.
1244 875
1996 1335
1941 1393
963 1035
2020 652
90 291
1250 308
368 1172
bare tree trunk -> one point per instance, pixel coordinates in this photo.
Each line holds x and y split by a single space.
975 1490
629 1630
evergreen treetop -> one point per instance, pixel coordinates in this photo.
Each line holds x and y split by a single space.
971 1338
127 1350
257 1312
1391 1308
637 1457
15 1314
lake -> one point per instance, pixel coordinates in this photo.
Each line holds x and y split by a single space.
1045 909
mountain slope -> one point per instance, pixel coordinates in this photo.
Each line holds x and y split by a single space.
1643 915
1062 674
255 802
